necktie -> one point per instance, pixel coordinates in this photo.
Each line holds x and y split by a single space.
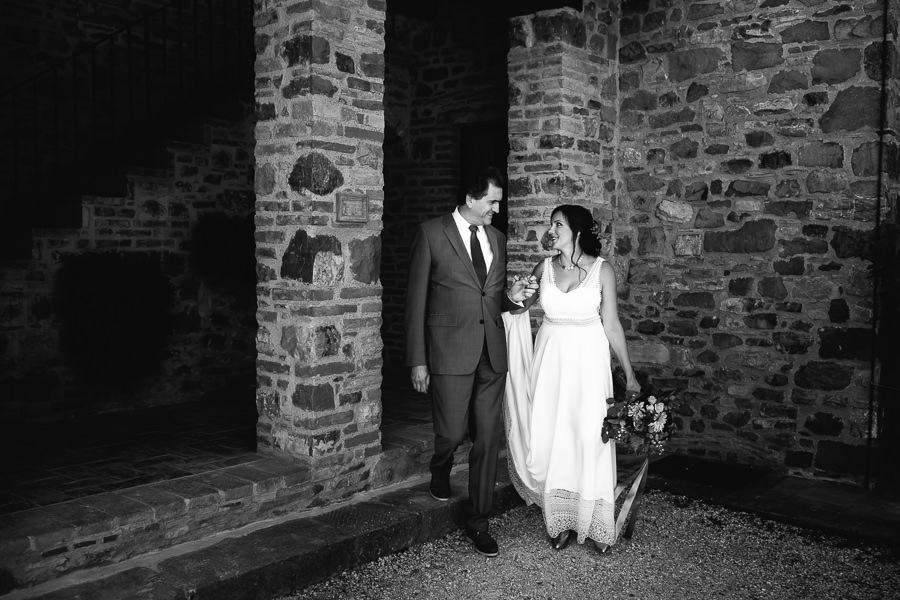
477 256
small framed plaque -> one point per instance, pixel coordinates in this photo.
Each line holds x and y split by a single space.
352 208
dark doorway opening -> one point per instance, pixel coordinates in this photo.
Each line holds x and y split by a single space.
484 144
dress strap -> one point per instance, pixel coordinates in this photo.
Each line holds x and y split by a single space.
595 272
548 271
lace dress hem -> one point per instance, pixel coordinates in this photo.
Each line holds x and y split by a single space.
564 510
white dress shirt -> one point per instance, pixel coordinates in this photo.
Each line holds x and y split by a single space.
466 235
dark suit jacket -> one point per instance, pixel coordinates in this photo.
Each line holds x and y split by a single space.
448 314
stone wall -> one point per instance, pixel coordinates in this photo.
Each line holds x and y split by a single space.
76 99
742 194
319 205
888 392
729 149
150 302
441 75
562 124
37 35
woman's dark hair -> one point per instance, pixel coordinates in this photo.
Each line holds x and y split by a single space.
581 222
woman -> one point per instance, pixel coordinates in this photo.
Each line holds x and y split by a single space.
557 396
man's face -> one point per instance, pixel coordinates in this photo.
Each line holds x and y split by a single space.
483 210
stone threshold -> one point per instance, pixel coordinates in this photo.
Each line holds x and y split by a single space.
276 556
279 556
43 544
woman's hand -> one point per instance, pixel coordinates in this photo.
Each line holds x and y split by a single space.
632 388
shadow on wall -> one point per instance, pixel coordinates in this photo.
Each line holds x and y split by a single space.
115 315
223 256
129 319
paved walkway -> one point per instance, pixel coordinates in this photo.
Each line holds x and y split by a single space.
93 455
274 558
98 454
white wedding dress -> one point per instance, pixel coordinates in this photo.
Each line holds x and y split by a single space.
555 404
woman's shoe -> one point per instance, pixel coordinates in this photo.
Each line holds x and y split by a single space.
601 547
562 540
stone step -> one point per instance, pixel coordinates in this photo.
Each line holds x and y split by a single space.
42 544
280 556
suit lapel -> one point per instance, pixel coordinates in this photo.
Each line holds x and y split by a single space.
452 233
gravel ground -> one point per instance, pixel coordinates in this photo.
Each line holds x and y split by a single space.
681 548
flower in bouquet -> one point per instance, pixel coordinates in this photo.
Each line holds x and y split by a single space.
644 424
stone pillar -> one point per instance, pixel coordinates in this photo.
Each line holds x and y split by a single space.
562 124
319 87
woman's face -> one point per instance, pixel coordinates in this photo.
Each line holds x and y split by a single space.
560 234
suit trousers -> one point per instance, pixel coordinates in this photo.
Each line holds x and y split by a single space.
472 403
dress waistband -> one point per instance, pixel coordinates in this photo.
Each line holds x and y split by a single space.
588 321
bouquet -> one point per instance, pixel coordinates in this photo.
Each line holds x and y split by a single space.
644 424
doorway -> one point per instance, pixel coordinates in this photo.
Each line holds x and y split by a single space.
483 144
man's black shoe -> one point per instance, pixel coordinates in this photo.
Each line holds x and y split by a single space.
439 491
484 543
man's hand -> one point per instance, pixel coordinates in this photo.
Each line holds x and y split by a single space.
523 288
420 378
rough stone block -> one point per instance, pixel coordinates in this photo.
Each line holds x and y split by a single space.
752 237
853 108
365 259
563 26
851 343
840 457
314 397
755 55
808 31
834 66
826 376
850 243
688 64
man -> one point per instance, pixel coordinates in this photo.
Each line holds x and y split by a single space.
456 344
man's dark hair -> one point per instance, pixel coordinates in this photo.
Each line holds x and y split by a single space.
477 184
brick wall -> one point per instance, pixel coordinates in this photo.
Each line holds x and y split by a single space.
441 75
37 35
153 78
739 201
150 302
562 124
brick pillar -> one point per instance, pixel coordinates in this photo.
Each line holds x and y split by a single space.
562 125
319 87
